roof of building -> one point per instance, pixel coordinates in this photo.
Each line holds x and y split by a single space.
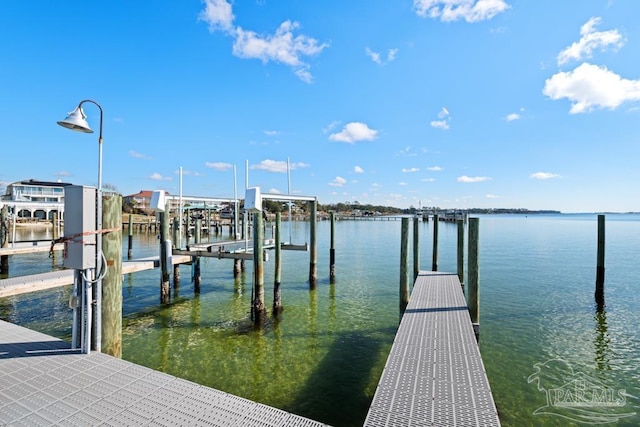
42 183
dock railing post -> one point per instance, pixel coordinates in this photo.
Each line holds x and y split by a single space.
434 264
404 265
599 294
461 252
277 298
112 281
474 275
257 305
332 249
313 250
416 247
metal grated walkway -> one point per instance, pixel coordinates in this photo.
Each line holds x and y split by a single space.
43 383
434 375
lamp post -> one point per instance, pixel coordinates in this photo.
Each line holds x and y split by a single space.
77 121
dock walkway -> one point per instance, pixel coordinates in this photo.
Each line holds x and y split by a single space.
434 375
37 282
43 382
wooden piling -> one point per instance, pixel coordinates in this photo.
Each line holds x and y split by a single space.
332 250
112 281
461 252
277 297
434 264
404 265
313 249
197 277
130 241
599 294
176 239
164 268
474 274
257 305
416 247
4 239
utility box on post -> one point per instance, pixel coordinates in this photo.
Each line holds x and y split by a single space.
80 227
253 200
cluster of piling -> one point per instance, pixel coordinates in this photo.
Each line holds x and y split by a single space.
473 278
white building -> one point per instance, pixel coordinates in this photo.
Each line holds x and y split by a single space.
35 200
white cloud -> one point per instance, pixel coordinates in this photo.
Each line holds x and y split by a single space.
435 168
544 175
157 177
219 166
410 170
590 86
439 124
275 191
590 41
402 183
137 155
493 196
513 116
354 131
445 118
277 166
470 179
338 182
377 58
428 180
453 10
187 172
334 124
358 169
218 14
283 47
271 132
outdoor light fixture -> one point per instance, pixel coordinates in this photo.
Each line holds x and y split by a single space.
77 121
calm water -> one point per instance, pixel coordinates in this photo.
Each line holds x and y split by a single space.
323 357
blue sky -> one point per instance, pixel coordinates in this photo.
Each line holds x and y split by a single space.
449 103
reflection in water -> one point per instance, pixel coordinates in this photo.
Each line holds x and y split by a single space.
601 341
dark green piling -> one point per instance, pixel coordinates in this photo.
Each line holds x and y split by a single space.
460 252
474 275
404 265
332 250
599 294
434 263
277 297
416 247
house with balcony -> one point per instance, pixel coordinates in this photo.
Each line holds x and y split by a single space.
35 200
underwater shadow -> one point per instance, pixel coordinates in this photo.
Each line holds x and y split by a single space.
335 392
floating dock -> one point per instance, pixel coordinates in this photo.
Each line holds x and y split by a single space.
434 375
44 383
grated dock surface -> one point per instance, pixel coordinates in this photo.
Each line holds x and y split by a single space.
44 383
434 375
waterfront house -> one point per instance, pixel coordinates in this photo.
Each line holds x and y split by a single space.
33 200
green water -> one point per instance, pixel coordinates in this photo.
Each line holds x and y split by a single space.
323 356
